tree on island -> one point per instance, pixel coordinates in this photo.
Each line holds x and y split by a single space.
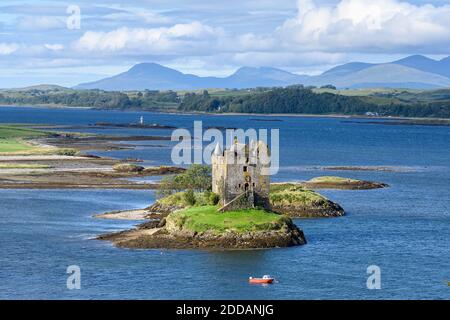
196 178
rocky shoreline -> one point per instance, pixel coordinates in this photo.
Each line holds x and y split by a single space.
161 234
326 210
65 166
331 182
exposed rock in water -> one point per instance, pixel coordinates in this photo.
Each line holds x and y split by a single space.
163 170
296 202
326 208
150 236
134 125
127 167
331 182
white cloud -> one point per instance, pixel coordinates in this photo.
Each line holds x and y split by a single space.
348 26
54 47
148 17
152 17
8 48
367 25
165 40
31 23
320 34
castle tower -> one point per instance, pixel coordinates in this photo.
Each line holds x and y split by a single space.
238 171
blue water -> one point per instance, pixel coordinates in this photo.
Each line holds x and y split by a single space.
404 229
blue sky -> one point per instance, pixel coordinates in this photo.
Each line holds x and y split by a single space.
207 37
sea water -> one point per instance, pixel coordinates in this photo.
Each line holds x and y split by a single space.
403 229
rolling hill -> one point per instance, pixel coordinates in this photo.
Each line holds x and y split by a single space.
417 72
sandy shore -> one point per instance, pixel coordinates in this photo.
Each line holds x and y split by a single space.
139 214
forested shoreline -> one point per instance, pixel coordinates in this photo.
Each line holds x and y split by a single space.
305 101
289 100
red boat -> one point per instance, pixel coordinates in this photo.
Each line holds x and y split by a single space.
264 279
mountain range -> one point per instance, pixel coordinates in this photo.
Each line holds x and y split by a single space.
416 72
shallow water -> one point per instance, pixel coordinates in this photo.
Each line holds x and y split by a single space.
404 229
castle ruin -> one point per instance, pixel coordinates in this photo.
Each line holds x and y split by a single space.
240 175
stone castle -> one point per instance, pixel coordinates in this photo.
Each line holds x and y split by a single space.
240 177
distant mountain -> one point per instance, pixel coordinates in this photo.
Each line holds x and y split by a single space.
144 76
347 68
247 77
154 76
411 72
387 76
423 63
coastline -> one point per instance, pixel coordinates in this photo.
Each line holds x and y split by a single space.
297 115
59 161
49 106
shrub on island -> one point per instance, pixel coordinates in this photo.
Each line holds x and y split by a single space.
295 201
127 167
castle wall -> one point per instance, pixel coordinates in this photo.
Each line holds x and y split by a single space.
238 170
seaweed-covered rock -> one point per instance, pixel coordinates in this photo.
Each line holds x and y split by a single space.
331 182
296 202
127 167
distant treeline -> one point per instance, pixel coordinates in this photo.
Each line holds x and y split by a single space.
92 98
304 101
294 99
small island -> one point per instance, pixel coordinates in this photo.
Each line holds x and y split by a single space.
331 182
296 201
205 227
225 208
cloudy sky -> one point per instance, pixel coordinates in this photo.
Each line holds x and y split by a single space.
47 42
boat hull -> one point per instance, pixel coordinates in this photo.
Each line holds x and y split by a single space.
260 281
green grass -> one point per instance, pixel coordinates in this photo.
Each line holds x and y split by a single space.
12 138
332 179
13 141
207 218
23 166
11 146
14 132
289 193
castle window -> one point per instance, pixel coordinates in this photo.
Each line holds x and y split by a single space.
253 184
245 168
239 185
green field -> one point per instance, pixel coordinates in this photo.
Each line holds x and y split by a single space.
204 218
13 139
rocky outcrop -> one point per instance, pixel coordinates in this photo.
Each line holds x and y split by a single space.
330 182
127 167
291 200
152 235
323 209
160 209
162 170
297 202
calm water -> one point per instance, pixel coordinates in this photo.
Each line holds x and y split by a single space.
404 229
